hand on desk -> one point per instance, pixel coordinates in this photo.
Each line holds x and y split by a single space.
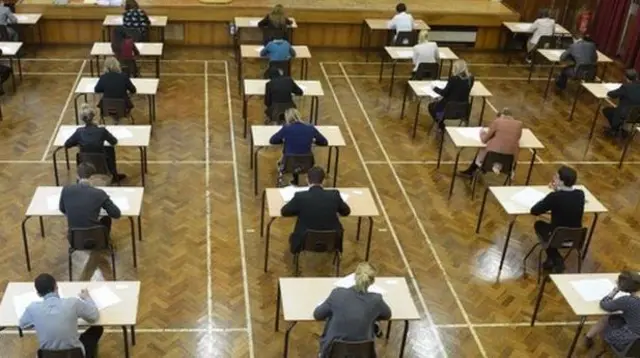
84 294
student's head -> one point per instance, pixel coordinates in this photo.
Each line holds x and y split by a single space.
629 282
292 115
401 7
45 284
130 5
423 36
587 38
365 276
315 176
631 75
566 176
86 171
277 16
505 113
544 13
111 64
460 69
119 34
87 114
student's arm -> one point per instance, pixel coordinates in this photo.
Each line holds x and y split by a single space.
72 141
319 139
542 206
444 92
265 50
610 304
292 208
324 310
130 86
61 204
112 209
289 22
343 208
145 17
11 18
87 310
436 54
616 93
110 138
416 55
385 310
296 89
278 137
392 23
26 321
567 54
264 22
486 135
99 86
292 51
534 27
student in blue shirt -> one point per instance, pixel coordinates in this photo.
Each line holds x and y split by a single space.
297 137
278 49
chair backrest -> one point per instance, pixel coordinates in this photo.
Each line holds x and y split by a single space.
631 351
4 33
298 163
343 349
586 72
285 66
633 115
426 71
405 38
98 160
114 107
65 353
547 42
322 241
456 110
567 237
505 161
91 238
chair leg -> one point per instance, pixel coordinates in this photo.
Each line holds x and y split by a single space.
539 265
337 260
113 262
579 258
524 260
474 181
70 266
296 262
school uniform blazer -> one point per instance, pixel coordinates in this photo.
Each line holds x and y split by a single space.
503 136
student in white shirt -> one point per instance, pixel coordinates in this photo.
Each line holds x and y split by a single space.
544 25
425 51
401 22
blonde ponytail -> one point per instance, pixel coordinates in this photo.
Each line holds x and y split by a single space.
365 277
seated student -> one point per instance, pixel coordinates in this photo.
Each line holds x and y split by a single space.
402 21
276 22
136 19
5 73
622 327
55 319
352 313
458 89
628 95
278 50
582 53
278 94
125 50
297 137
91 138
566 205
115 84
502 136
316 209
424 52
8 18
544 25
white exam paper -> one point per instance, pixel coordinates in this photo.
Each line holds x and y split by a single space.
53 202
104 297
593 289
258 49
121 202
253 22
344 197
428 90
121 133
289 191
350 281
302 87
524 27
21 302
528 197
67 132
471 133
612 86
405 54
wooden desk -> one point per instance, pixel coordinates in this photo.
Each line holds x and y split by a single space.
146 49
128 136
252 23
32 20
360 201
260 136
46 200
11 50
514 208
422 89
469 137
297 307
256 88
158 22
599 91
397 53
253 51
145 87
524 28
123 313
370 25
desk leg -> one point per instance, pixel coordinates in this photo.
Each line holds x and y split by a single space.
440 149
575 338
316 109
140 227
335 168
133 242
55 166
264 194
244 116
453 174
91 67
450 68
266 246
533 60
240 84
484 202
393 77
255 171
366 50
133 335
386 336
75 108
546 90
575 102
415 119
586 244
41 226
366 256
20 333
404 99
358 229
19 66
25 243
484 104
329 162
405 333
142 164
286 339
595 119
362 35
158 67
13 74
626 147
506 244
278 302
533 160
604 72
66 158
539 299
126 341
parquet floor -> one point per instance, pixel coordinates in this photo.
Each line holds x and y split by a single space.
203 290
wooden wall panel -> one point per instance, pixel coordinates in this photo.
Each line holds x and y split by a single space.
488 38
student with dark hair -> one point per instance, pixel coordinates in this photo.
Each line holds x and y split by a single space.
316 209
276 22
55 319
628 96
582 53
621 329
136 19
566 205
402 21
278 94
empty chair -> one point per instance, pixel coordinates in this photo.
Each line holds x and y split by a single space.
320 241
562 238
343 349
453 110
96 238
493 161
64 353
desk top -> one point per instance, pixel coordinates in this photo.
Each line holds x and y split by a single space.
579 305
600 90
469 137
525 27
145 48
423 88
128 136
28 19
253 51
554 55
248 22
10 48
297 307
383 24
257 88
518 200
406 53
260 135
144 86
46 200
123 313
116 20
359 200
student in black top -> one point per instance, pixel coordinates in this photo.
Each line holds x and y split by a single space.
628 95
276 22
115 84
91 138
458 89
278 94
566 205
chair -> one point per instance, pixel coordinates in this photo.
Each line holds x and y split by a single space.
506 163
4 33
343 349
547 42
631 120
95 238
275 113
405 38
115 108
454 111
285 66
65 353
630 351
98 160
585 73
426 71
320 241
297 164
562 238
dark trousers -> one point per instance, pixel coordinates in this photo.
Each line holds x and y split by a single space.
543 230
110 153
435 110
90 339
615 120
106 222
565 74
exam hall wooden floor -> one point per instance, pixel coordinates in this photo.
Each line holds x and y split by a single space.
194 299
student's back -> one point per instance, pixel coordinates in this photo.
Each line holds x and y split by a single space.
278 50
280 89
566 207
82 203
90 139
542 27
582 53
298 138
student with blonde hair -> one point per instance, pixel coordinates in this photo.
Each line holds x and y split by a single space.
351 313
424 52
458 89
274 22
115 84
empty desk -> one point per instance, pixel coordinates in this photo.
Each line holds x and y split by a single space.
370 25
146 49
33 20
253 51
11 50
158 22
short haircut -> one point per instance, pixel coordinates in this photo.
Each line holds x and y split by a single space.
587 38
567 175
631 74
544 13
629 282
315 175
505 112
45 284
401 7
86 170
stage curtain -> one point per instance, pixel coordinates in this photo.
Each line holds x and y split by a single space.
632 53
609 22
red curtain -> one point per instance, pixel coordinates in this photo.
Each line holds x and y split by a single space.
609 22
632 54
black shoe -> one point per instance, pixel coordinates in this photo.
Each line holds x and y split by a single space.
588 342
548 264
118 178
558 267
376 330
465 174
